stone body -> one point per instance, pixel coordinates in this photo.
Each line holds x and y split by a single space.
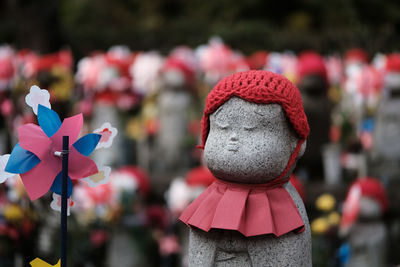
318 109
111 156
368 237
386 150
174 102
250 143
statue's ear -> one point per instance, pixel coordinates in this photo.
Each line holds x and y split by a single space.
302 149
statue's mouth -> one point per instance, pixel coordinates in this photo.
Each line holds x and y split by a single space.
232 146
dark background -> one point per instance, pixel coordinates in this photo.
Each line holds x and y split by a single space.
86 25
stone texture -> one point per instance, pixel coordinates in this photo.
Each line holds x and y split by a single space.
368 237
318 109
386 149
368 242
173 118
250 143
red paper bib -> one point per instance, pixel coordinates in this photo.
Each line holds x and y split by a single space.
250 209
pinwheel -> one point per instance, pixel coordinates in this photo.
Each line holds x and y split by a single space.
45 160
35 157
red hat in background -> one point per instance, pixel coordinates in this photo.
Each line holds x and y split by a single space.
139 175
356 54
373 188
178 64
182 59
311 63
362 187
200 176
257 60
63 58
393 63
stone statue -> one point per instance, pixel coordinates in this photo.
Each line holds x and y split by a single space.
362 223
386 150
175 102
313 86
253 131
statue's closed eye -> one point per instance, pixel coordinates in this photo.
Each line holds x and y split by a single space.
222 126
249 128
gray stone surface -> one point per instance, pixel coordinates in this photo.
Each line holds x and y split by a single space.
368 237
386 149
250 143
368 242
173 118
111 156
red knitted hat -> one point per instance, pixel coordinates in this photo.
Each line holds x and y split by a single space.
261 87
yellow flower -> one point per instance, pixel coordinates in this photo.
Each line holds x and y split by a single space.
13 213
334 94
135 129
334 218
325 202
61 88
319 225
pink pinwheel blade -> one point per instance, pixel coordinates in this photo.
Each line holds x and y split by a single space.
80 166
33 139
70 127
39 180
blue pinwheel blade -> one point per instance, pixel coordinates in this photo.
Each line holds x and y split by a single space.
21 160
86 144
48 120
56 187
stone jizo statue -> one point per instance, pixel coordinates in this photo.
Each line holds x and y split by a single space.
362 223
253 130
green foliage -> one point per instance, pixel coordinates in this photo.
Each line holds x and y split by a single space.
87 25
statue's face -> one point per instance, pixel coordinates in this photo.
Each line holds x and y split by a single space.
248 142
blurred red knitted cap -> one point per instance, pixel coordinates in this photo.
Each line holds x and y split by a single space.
257 60
139 175
63 58
373 188
200 176
356 54
393 62
362 187
173 63
311 63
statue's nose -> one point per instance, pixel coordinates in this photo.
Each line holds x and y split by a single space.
233 137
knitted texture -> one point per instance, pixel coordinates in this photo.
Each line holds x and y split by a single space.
261 87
